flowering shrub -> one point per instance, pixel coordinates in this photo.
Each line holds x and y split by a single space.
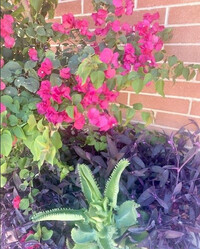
78 84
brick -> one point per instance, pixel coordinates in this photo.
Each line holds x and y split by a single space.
198 77
184 14
184 89
195 108
184 53
152 3
58 20
88 6
190 34
138 16
175 121
160 103
68 7
181 89
123 98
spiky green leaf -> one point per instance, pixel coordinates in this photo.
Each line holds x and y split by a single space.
62 214
112 185
88 184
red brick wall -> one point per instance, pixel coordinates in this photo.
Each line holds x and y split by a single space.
182 101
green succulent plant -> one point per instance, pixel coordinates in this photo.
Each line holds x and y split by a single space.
99 226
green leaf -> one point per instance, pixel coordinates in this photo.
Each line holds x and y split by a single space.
31 121
186 72
11 91
178 70
24 204
97 78
70 111
56 140
5 74
112 185
172 60
3 168
30 32
137 106
6 143
29 65
55 79
84 234
36 4
138 85
13 120
13 67
40 31
6 100
31 85
64 172
63 214
88 184
159 85
130 114
46 234
24 173
159 56
147 117
19 133
127 214
20 81
147 78
76 98
84 71
3 181
86 246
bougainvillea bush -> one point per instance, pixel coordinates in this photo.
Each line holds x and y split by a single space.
77 84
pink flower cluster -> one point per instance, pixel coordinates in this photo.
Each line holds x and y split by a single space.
101 120
56 95
69 23
92 96
33 54
7 30
46 68
149 39
127 9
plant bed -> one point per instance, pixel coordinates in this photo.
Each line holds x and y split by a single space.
169 201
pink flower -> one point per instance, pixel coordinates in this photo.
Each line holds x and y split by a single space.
44 91
1 63
119 11
16 201
129 7
46 68
116 26
79 119
100 17
106 55
2 86
65 73
110 73
68 21
9 41
117 3
127 28
2 108
101 120
33 54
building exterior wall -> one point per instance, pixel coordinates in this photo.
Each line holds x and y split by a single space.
182 101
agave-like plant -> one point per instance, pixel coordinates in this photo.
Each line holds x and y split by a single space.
103 222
